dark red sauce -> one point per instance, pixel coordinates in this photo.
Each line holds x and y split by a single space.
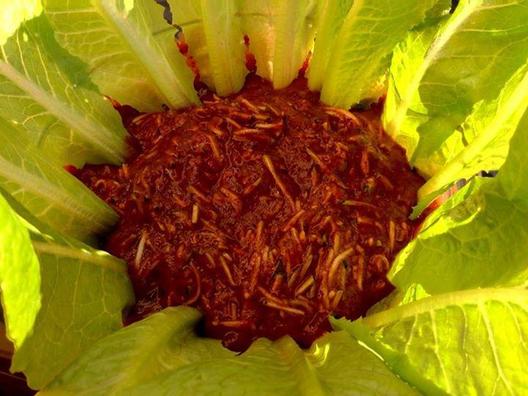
266 210
251 61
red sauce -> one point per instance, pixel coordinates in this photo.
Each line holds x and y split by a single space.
251 61
266 210
183 47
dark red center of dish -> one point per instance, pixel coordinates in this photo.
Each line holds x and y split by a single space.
266 210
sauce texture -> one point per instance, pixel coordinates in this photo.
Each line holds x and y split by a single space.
266 210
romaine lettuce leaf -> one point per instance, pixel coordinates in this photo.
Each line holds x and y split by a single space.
225 45
359 57
476 239
400 124
512 181
18 265
331 18
187 15
463 343
45 90
49 192
438 78
117 39
487 133
479 237
281 34
161 355
83 293
214 37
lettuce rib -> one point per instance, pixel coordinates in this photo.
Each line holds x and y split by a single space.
215 41
331 18
281 34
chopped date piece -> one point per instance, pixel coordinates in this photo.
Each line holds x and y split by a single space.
266 210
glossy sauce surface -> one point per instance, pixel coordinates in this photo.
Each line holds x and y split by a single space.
266 210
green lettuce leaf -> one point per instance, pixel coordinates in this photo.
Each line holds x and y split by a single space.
359 57
45 90
117 39
224 45
331 18
479 237
161 355
187 15
438 78
462 343
487 133
18 265
214 36
49 192
397 122
476 239
281 34
512 182
83 293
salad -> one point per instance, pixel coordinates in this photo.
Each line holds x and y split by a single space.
432 93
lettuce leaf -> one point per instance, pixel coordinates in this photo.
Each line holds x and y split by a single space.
456 338
214 36
463 343
361 48
117 39
49 192
487 133
82 292
397 122
281 34
512 181
161 355
187 15
45 91
18 264
331 18
224 45
438 78
463 242
478 238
